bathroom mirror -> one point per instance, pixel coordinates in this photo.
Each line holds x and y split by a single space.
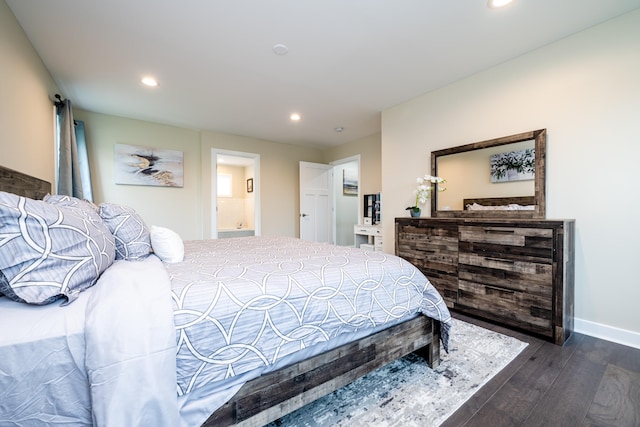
498 178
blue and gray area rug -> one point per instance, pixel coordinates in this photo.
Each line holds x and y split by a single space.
409 393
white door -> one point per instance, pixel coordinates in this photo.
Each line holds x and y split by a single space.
316 202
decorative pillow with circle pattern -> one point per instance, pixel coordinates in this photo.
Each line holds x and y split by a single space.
133 242
48 251
7 290
70 202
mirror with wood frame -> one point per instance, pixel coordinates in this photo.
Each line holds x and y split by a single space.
498 178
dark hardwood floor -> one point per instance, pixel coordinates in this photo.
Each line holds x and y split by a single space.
587 382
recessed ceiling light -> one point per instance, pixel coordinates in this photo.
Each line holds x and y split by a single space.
149 81
339 129
295 117
280 49
498 3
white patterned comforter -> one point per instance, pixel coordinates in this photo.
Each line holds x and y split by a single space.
245 303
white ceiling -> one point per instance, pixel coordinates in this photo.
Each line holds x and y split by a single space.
348 60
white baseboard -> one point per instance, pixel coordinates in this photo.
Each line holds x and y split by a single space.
609 333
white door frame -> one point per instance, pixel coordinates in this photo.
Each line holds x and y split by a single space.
214 188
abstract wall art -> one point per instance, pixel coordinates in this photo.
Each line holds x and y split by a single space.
137 165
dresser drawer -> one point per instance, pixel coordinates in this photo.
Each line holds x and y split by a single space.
509 243
434 250
520 309
501 235
367 230
525 276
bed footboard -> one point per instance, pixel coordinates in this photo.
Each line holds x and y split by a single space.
271 396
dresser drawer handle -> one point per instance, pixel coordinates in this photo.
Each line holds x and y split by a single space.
504 261
495 231
495 288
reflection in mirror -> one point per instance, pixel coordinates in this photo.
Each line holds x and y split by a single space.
469 176
503 177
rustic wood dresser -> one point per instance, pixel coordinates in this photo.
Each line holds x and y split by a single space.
517 272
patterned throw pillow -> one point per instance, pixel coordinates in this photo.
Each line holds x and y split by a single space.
7 290
131 234
49 251
70 202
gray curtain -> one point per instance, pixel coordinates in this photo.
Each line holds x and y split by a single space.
83 160
72 155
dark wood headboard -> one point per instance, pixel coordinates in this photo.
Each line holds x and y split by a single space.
22 184
500 201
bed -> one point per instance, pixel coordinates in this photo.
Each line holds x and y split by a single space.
241 331
499 203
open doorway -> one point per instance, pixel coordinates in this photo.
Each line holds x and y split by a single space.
235 194
346 173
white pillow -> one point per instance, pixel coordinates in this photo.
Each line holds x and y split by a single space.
167 244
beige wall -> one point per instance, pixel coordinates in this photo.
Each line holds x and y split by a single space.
585 90
176 208
369 149
26 109
188 210
27 145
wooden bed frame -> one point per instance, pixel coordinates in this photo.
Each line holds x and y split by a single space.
24 185
278 393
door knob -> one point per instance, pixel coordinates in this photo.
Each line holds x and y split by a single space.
303 215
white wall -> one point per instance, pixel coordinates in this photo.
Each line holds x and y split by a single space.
585 90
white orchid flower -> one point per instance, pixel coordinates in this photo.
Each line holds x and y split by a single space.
423 190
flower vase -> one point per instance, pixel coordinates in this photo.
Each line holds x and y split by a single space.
415 213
